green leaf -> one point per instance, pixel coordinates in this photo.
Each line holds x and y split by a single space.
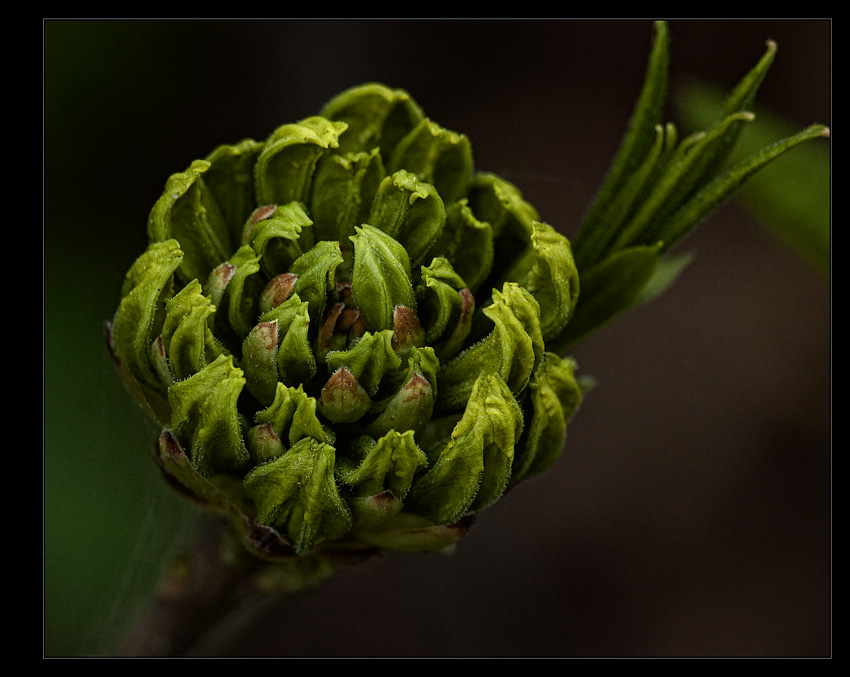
598 227
721 188
791 196
608 289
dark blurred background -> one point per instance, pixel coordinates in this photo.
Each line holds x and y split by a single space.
690 512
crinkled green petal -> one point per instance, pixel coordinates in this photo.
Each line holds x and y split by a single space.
437 156
139 319
278 349
474 468
386 464
188 213
467 243
187 337
554 395
316 271
380 280
295 361
285 167
297 495
280 237
412 405
230 179
368 360
344 188
410 211
377 117
205 418
292 415
513 348
547 270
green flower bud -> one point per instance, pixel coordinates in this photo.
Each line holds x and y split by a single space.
314 351
350 335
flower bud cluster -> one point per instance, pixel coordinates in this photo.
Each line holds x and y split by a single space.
343 331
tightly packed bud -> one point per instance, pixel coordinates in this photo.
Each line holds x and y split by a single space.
351 337
342 331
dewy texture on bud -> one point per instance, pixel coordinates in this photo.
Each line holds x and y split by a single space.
342 331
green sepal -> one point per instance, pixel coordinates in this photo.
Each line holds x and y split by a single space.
230 179
377 117
473 469
608 289
297 495
205 419
187 212
369 359
386 464
139 317
187 337
279 237
410 211
467 243
316 271
553 396
512 349
344 187
292 416
437 156
380 280
548 271
285 167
